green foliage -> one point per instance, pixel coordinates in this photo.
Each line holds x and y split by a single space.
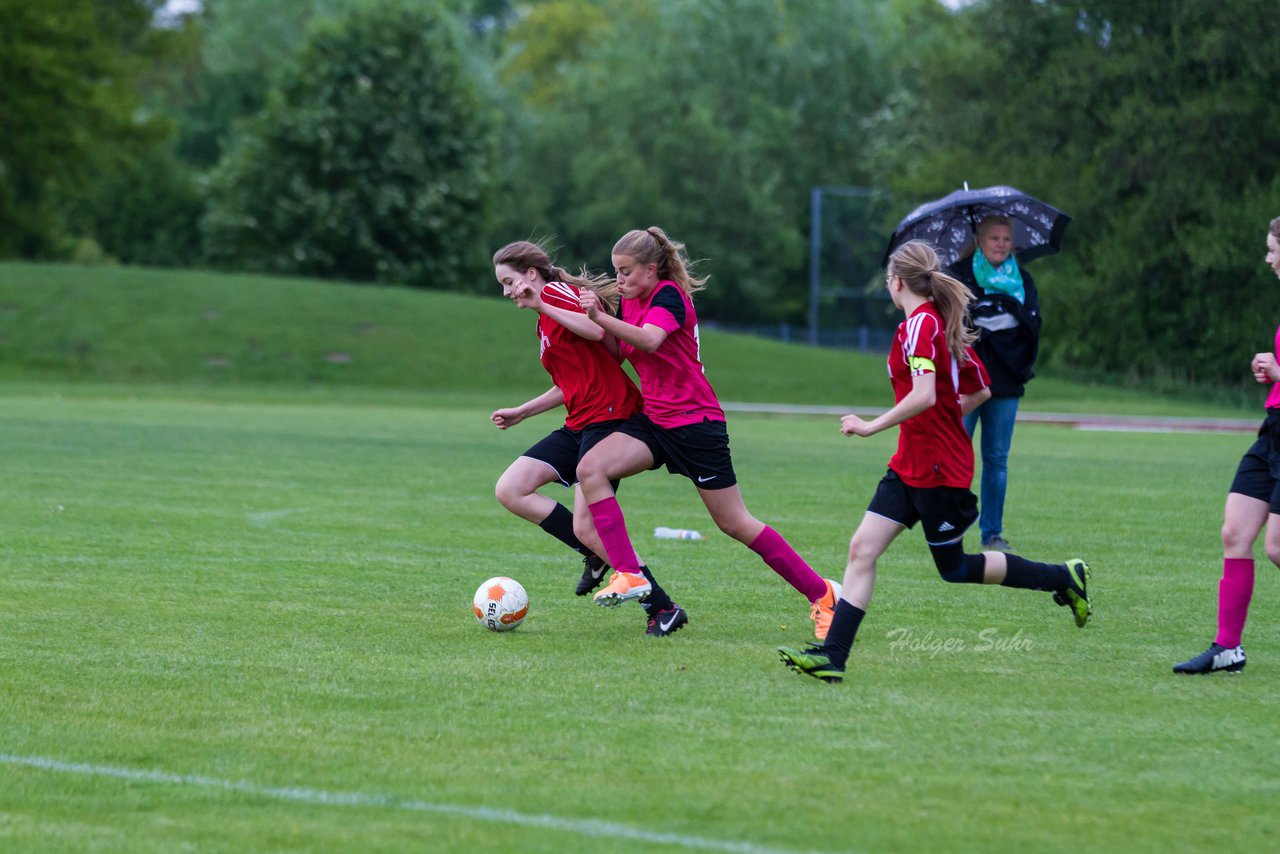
400 142
69 104
371 162
711 119
242 47
1151 123
145 210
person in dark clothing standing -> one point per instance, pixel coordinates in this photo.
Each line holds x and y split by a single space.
1006 314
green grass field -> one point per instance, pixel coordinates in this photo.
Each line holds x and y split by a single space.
242 622
244 518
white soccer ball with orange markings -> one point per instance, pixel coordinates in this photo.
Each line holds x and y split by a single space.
500 604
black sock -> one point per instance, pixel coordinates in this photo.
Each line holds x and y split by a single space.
559 524
658 599
1029 575
844 626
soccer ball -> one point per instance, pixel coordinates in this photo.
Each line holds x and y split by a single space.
500 604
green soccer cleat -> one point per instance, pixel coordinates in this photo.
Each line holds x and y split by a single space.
1076 595
811 661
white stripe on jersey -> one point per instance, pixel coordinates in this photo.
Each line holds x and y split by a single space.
909 340
561 296
913 333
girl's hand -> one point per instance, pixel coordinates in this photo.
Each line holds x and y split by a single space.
852 425
527 296
504 418
1264 367
589 300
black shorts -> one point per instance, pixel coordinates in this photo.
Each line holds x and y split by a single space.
698 451
1258 475
946 511
561 449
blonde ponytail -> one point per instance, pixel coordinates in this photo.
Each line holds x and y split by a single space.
917 264
653 246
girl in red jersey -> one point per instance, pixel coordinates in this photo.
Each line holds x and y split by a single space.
597 394
681 426
1253 503
929 476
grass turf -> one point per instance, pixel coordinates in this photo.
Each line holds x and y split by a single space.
270 590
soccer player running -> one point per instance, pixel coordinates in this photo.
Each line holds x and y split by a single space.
1252 503
682 425
597 394
929 477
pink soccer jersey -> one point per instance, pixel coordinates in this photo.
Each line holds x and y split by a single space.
934 449
594 385
1273 398
676 391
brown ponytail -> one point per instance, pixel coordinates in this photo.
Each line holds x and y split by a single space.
524 254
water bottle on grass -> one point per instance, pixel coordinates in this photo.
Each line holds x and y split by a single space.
664 533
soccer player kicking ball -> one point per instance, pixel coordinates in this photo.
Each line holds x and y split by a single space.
1253 502
597 395
929 476
682 425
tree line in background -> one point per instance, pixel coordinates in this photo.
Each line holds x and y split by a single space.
403 140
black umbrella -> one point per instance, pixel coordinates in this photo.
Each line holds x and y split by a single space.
949 223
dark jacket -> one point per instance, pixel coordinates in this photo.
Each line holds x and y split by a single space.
1008 331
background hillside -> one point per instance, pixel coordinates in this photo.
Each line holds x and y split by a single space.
209 331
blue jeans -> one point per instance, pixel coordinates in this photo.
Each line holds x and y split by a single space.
997 416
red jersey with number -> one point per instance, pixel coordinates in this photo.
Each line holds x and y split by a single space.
675 388
594 385
934 449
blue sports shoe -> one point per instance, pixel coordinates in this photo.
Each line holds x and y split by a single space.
1215 659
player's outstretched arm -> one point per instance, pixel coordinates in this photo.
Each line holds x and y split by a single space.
510 417
923 395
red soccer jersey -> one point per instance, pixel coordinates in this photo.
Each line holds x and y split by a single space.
973 374
934 449
594 385
676 391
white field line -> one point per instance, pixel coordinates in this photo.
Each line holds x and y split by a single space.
583 827
1118 423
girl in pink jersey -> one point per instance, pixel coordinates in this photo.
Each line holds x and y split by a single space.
929 476
1252 503
597 395
681 426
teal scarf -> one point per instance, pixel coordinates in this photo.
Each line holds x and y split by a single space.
1005 279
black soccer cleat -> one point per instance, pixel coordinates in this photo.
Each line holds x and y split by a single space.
668 622
593 570
1215 659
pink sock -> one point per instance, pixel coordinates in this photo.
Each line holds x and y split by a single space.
783 560
612 529
1234 592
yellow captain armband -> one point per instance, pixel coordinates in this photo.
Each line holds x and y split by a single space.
920 366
